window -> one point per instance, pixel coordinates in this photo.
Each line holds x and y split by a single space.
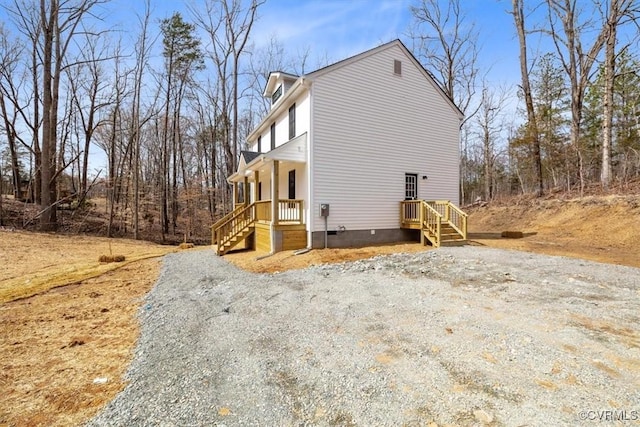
260 144
260 191
292 121
276 95
410 186
292 184
273 135
397 67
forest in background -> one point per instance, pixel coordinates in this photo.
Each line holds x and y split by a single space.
172 130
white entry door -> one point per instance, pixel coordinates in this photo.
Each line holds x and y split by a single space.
410 186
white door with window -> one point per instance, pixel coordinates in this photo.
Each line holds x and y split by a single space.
411 186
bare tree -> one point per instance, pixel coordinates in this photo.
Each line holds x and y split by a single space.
26 17
532 124
578 61
228 25
88 83
263 61
142 50
59 22
617 10
238 27
447 44
490 124
9 58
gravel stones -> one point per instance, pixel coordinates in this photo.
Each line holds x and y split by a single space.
455 336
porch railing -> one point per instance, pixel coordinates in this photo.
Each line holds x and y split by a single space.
291 211
430 216
410 212
451 214
263 210
221 221
431 221
234 225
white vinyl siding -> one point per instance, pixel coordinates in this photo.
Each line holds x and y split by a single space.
282 124
283 184
370 127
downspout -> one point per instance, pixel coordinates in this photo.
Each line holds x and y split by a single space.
310 169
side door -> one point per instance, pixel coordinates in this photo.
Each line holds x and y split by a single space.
411 193
410 186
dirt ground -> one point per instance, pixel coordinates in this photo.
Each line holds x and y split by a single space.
603 229
78 327
64 349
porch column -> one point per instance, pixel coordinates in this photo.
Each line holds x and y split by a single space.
235 194
245 191
275 193
256 180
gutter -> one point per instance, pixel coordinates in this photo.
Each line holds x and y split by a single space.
302 82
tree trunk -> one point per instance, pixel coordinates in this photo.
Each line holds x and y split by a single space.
11 140
609 78
532 124
48 220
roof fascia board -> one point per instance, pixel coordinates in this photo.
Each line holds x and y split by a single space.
293 92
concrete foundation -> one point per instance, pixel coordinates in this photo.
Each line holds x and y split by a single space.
356 238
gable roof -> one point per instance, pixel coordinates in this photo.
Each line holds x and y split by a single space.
306 80
273 78
249 156
329 68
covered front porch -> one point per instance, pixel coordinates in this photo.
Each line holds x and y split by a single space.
261 217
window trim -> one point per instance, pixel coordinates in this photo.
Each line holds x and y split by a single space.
292 184
292 121
277 94
272 131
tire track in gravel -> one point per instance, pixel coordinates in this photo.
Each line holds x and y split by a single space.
457 336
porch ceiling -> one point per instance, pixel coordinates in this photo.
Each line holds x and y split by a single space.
293 151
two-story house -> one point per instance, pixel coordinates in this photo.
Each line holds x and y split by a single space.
362 151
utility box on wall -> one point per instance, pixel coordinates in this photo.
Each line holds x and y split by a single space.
324 209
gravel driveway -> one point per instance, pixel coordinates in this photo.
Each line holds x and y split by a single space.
455 336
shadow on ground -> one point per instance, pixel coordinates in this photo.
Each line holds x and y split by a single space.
502 235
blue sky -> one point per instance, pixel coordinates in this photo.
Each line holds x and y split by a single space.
336 29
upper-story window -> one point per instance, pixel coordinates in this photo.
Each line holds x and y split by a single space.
273 135
276 95
260 144
397 67
292 121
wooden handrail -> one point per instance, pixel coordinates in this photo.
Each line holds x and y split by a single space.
458 220
227 216
263 210
432 222
430 215
233 226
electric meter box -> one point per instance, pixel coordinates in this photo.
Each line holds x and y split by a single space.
324 209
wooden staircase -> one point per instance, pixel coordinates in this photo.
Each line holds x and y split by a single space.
233 228
449 236
441 223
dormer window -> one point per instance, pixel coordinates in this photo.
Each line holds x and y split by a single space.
276 95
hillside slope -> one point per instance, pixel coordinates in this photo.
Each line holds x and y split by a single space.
603 228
